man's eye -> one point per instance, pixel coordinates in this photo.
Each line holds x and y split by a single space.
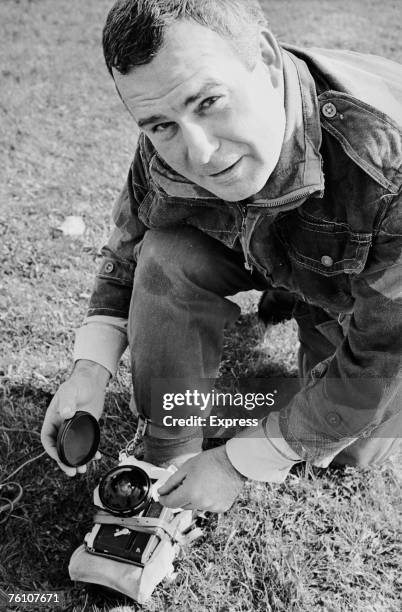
161 128
208 102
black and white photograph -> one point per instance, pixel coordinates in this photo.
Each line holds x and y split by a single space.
201 306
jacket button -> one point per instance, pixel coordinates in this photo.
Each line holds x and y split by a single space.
329 110
109 267
333 418
327 261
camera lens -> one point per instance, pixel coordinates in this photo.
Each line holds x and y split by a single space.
125 490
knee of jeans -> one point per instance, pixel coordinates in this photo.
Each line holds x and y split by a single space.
170 258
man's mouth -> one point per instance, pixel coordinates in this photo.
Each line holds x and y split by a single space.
226 170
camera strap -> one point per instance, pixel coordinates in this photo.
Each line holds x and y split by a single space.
142 524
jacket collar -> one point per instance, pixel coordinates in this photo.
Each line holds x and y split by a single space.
298 173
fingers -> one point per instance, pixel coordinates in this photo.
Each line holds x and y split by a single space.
69 471
179 498
48 438
176 493
61 407
174 481
187 499
189 506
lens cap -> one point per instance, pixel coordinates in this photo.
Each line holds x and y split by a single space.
78 439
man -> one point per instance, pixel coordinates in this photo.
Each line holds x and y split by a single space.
258 167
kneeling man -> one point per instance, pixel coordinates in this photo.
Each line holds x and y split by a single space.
258 166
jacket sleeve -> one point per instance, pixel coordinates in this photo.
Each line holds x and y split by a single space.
360 387
114 282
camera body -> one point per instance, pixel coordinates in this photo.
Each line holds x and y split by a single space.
134 541
130 523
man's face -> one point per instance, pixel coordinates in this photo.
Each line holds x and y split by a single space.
211 118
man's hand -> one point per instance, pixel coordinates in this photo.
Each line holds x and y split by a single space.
207 482
84 390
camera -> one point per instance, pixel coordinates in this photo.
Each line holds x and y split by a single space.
134 540
130 523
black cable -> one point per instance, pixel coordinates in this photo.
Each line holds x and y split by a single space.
10 504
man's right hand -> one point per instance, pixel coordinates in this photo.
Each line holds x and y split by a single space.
84 390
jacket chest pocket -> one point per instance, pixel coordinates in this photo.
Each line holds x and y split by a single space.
161 211
324 247
157 212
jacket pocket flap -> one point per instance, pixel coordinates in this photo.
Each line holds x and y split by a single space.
326 247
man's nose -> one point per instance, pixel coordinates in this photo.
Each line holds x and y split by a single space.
200 144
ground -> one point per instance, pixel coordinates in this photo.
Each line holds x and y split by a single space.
325 541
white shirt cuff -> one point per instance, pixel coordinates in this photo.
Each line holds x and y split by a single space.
262 453
102 339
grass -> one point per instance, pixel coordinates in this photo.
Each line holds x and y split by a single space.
324 540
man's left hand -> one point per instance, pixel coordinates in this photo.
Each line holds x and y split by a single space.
206 482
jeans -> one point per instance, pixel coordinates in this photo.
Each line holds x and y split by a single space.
177 317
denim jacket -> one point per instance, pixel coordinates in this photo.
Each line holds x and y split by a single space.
326 226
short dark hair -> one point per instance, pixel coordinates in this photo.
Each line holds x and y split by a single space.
134 29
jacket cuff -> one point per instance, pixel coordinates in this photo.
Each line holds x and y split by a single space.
261 453
101 341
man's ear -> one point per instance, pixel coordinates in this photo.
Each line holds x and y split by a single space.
271 56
